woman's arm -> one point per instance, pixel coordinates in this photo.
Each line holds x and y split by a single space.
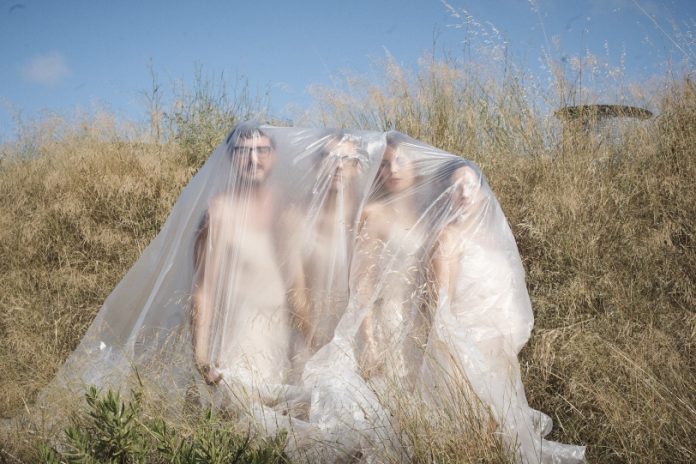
367 253
298 296
290 242
444 263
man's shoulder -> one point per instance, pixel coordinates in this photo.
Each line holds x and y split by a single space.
220 203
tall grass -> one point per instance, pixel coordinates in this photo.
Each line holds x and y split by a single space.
454 107
200 115
79 200
72 220
606 232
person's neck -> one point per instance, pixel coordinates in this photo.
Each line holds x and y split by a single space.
254 189
331 202
402 203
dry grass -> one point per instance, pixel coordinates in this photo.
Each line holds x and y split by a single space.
73 218
460 429
606 233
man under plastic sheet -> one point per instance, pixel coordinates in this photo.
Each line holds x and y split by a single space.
325 281
319 251
237 269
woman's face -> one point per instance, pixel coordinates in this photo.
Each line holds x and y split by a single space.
397 171
464 182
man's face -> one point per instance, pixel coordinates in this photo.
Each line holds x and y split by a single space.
344 163
253 158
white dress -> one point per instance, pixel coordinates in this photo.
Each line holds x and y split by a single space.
326 265
393 309
346 401
315 250
255 344
478 336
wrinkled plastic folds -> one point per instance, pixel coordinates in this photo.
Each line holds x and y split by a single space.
312 276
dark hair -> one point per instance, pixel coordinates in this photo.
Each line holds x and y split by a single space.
444 172
330 137
247 130
394 139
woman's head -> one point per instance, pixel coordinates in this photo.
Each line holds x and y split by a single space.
460 181
397 171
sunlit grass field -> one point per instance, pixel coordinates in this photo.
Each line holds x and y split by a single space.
604 223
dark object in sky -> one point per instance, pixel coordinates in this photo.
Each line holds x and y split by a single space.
16 6
586 112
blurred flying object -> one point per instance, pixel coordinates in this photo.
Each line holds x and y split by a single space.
16 6
569 24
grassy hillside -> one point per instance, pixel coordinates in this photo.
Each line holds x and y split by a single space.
606 232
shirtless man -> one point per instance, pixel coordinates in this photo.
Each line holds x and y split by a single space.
319 255
240 319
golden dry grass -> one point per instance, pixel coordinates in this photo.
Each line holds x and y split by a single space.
606 233
73 218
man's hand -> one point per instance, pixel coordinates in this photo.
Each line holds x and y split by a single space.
211 374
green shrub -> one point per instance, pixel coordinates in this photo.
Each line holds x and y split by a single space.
111 430
199 118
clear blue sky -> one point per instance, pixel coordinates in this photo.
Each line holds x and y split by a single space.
59 55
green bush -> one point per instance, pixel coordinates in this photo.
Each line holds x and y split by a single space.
111 430
199 118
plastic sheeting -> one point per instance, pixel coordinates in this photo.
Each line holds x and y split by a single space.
312 278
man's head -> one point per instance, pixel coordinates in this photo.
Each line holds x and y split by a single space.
341 159
252 152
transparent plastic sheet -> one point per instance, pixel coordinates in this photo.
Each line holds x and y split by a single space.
311 278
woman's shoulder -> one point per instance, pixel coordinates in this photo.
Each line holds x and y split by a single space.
450 240
372 215
373 210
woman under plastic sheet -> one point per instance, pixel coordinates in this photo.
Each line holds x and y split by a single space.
483 315
315 279
390 233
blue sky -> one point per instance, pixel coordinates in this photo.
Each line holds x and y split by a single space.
62 55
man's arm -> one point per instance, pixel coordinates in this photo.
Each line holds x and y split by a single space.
202 313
